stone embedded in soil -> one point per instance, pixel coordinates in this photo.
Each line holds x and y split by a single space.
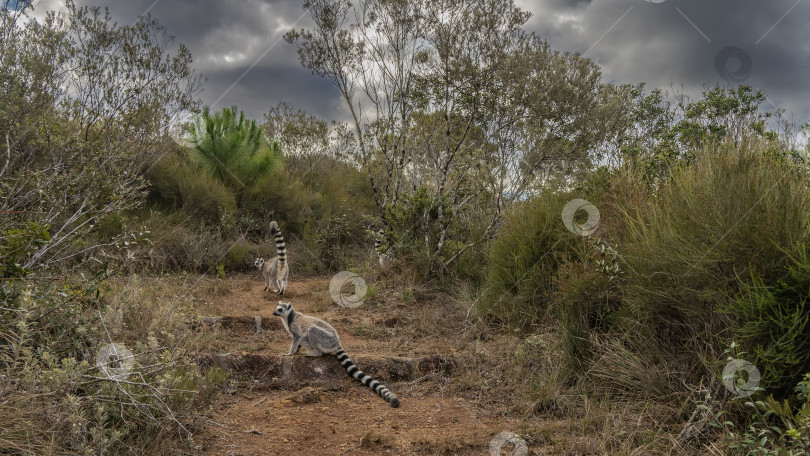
308 395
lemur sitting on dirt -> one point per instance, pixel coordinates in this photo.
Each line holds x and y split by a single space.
319 337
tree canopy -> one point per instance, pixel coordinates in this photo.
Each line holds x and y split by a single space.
232 148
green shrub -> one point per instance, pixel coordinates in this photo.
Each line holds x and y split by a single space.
280 196
176 184
206 197
164 183
232 149
415 231
585 300
237 255
686 243
16 244
110 226
309 191
705 255
524 260
770 321
322 204
774 427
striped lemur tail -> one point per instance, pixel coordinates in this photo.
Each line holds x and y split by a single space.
281 247
383 252
378 245
375 386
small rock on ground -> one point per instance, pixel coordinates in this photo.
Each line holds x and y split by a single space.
308 395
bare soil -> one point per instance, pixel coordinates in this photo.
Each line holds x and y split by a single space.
252 419
369 329
351 421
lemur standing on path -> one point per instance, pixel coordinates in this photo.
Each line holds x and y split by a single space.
319 337
275 270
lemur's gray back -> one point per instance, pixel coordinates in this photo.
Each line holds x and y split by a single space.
319 337
276 270
324 337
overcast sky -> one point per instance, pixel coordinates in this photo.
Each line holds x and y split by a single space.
237 45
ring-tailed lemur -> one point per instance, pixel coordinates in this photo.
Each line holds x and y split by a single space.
385 259
275 270
319 337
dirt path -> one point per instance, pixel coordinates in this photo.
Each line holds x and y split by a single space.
342 417
367 329
351 421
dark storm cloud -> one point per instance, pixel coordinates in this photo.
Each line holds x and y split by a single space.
237 46
677 42
663 43
265 86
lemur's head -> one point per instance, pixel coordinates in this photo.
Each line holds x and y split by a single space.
259 262
283 309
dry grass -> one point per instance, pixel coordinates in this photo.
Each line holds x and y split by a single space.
19 432
54 399
525 378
